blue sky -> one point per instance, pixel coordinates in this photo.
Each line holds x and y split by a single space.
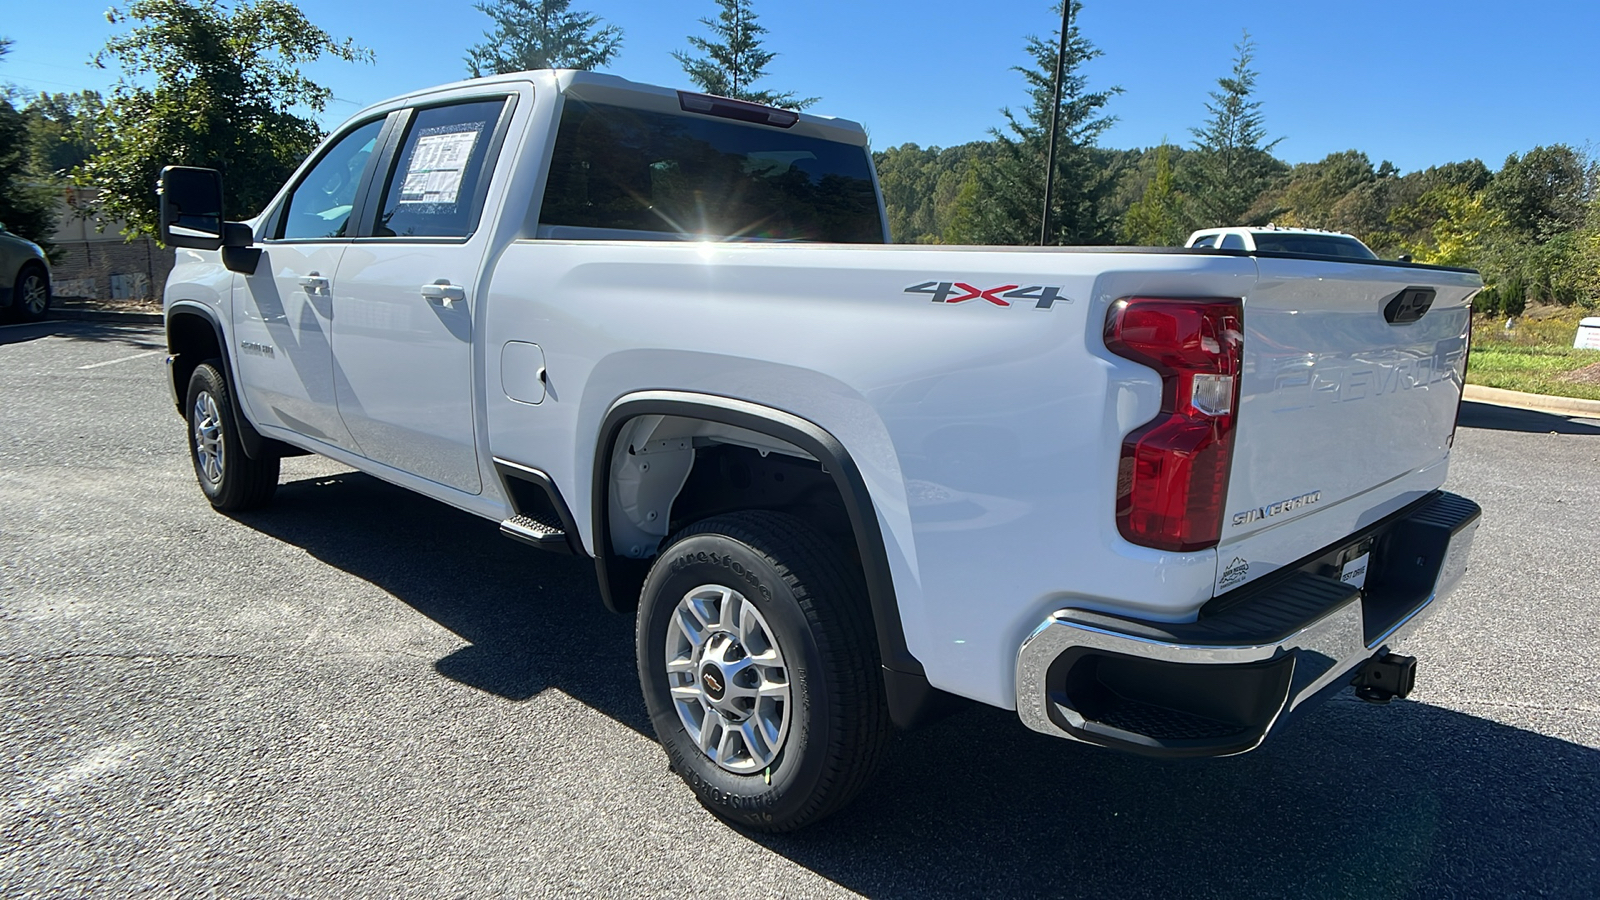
1417 83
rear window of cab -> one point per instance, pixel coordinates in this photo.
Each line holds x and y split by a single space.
659 175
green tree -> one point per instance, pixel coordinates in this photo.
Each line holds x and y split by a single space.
1543 193
733 60
920 187
541 34
204 85
1157 219
1587 270
1234 163
61 131
1012 186
27 205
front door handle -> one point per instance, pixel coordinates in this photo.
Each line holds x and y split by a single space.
444 292
314 283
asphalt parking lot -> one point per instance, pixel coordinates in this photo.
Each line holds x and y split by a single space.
360 692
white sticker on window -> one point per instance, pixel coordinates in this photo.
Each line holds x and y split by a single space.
438 164
1355 571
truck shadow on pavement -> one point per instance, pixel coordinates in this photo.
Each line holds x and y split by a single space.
533 619
1508 418
1353 800
136 335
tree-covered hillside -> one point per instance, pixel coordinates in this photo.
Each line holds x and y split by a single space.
1532 226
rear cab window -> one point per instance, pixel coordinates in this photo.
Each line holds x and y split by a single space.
1313 245
632 174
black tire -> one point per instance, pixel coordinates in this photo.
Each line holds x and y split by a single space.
31 279
814 601
236 482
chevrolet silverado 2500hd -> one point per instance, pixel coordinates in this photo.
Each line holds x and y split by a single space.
1157 501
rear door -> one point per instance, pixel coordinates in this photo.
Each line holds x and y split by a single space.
406 294
1352 378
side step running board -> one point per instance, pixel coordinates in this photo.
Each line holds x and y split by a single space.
532 531
542 518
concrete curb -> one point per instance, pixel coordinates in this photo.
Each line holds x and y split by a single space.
1571 406
105 315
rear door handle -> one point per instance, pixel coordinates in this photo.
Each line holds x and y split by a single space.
314 283
444 292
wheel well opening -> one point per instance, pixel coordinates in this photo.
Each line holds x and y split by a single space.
192 340
661 472
670 472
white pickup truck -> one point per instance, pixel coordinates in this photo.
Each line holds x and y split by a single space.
1153 500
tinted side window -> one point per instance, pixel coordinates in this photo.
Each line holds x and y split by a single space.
633 170
1208 241
432 191
319 207
1232 242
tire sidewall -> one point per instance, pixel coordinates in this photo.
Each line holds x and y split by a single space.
710 558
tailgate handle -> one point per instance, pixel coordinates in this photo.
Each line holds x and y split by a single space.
1408 305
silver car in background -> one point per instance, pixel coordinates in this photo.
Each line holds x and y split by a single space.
24 279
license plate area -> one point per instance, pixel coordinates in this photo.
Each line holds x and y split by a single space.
1350 564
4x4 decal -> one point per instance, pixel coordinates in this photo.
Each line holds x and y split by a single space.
1043 295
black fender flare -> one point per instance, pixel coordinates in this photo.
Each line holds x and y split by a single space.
912 700
255 444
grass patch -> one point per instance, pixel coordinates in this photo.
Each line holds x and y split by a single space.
1534 369
1535 355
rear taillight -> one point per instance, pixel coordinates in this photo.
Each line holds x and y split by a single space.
1173 478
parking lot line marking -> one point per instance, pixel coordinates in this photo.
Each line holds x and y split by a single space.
112 362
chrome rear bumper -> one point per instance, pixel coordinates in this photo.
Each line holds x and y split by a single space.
1219 685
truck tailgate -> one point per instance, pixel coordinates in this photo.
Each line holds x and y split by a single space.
1347 404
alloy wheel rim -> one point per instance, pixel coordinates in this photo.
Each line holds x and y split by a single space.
34 294
208 437
728 680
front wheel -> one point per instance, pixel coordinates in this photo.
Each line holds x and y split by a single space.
229 478
760 669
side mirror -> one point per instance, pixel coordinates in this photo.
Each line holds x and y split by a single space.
191 208
1404 257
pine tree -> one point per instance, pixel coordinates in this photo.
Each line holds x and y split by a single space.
1233 165
541 34
733 59
1157 220
1013 185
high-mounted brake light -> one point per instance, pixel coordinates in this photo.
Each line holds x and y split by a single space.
741 110
1172 482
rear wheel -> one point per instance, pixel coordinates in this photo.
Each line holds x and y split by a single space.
760 669
30 296
229 478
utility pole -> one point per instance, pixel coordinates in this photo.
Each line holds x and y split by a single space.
1055 125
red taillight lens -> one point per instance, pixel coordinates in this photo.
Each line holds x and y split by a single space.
1173 478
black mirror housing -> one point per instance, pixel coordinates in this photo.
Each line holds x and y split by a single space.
191 208
237 234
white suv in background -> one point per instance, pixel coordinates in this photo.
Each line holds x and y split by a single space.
1273 239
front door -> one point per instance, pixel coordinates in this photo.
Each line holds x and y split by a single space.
282 315
407 298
